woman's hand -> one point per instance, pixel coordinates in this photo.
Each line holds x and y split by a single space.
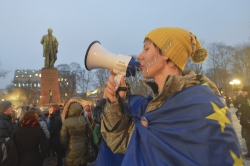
110 91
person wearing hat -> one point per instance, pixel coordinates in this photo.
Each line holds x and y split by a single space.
6 127
240 99
6 109
55 125
242 103
74 136
184 121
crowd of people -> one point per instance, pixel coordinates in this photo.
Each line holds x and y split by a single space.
40 133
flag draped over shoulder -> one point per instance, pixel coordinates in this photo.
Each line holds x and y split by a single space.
192 127
106 157
92 92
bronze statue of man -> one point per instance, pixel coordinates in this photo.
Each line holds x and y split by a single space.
50 49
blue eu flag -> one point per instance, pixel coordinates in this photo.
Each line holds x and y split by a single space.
192 127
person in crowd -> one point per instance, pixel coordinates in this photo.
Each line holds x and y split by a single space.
186 121
228 102
51 156
6 130
88 114
74 136
30 141
41 121
21 111
61 108
51 150
97 113
239 100
45 112
244 109
55 128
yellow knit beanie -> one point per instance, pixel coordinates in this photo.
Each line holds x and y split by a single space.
178 44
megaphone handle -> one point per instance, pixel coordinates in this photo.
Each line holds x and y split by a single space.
118 80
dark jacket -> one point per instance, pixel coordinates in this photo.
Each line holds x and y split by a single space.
55 127
6 128
31 144
238 101
74 138
245 113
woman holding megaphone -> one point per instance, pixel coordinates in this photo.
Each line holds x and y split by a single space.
184 121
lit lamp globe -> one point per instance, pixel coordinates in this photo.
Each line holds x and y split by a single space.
234 82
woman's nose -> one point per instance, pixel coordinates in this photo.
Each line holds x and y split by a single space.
140 57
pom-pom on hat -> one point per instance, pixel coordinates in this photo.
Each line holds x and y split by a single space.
178 44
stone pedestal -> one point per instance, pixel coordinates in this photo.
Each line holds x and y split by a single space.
49 81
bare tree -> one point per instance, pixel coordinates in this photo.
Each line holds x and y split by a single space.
25 94
101 78
193 66
241 63
77 78
85 80
3 73
67 84
220 62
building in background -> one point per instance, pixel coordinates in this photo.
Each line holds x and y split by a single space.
27 86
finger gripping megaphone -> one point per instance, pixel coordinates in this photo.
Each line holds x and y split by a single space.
98 57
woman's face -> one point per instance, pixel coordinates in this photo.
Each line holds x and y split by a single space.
50 110
152 63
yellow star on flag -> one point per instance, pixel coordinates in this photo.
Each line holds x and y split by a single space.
237 161
220 116
205 84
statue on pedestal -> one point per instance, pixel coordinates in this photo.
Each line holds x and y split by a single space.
50 49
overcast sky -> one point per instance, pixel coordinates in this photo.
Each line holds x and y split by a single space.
120 26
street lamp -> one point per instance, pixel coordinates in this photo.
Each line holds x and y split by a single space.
234 82
235 85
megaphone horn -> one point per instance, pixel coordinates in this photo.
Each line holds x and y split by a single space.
98 57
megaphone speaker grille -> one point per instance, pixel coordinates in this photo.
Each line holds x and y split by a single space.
86 55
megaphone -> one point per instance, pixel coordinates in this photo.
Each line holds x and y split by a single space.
98 57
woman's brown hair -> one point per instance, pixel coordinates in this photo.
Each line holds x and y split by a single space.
30 118
55 108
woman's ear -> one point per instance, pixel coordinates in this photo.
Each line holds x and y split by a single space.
165 57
